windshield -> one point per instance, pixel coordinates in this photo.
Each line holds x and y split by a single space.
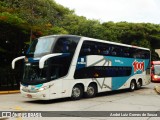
157 69
54 67
41 46
33 74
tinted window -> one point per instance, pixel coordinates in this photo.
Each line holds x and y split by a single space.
66 45
142 54
106 49
102 71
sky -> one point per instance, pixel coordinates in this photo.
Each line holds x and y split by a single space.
136 11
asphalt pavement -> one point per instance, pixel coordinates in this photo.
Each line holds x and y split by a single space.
100 107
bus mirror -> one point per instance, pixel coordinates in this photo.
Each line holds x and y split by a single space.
15 60
44 58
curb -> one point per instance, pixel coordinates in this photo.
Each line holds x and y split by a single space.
9 92
157 89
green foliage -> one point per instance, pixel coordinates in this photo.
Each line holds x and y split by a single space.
22 20
56 30
11 19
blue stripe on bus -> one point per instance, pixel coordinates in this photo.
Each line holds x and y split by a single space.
117 82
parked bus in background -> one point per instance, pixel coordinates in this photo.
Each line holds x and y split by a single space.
155 71
59 66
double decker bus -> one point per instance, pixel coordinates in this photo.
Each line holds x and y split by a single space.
59 66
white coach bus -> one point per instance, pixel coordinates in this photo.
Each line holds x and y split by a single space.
59 66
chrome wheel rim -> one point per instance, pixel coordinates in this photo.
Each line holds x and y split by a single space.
76 92
90 90
132 86
138 84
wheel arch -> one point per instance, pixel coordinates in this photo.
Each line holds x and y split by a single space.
133 80
140 80
94 83
80 88
80 84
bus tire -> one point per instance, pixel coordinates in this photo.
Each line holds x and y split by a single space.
91 91
132 86
77 92
139 84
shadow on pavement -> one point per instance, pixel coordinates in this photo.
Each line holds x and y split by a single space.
110 93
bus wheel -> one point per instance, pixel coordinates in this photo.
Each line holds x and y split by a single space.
77 92
91 91
132 85
139 84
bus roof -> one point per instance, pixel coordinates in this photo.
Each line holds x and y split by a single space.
115 43
98 40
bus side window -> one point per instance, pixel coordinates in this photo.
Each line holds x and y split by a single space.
114 52
94 49
65 47
105 50
126 53
85 49
147 55
61 46
135 53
